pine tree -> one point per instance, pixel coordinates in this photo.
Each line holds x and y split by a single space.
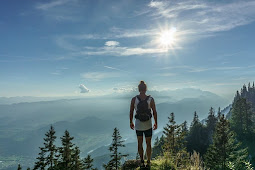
249 94
157 149
174 144
88 163
219 114
173 138
241 119
19 167
66 152
154 151
156 141
197 139
170 135
185 127
77 163
195 119
244 91
47 156
41 163
210 124
116 156
50 148
237 96
224 148
183 135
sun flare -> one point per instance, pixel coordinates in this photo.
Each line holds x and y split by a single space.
167 38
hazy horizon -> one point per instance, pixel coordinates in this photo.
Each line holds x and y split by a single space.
160 96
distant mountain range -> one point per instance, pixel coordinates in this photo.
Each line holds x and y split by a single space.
165 95
21 99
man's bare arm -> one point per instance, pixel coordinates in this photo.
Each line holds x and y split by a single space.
155 115
131 114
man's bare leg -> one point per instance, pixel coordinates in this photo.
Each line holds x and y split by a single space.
140 146
148 148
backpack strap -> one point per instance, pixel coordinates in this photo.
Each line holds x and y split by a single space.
148 97
139 98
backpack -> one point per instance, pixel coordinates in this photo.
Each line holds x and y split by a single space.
143 113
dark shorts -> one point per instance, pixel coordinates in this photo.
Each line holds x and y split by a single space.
147 133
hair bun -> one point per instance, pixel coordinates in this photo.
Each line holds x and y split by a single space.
142 86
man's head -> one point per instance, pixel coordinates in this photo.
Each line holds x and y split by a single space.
142 87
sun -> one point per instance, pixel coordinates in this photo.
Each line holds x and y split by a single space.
167 38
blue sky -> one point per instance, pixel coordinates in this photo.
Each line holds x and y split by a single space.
95 47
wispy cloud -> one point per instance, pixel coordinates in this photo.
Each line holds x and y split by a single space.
60 10
10 58
226 84
214 68
121 51
97 76
113 33
176 67
52 4
59 71
195 69
56 73
167 74
226 56
131 33
63 42
205 16
113 68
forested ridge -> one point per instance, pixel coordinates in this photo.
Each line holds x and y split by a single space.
221 142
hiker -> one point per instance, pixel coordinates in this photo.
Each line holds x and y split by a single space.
143 105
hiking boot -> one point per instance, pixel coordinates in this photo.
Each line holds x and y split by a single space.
148 165
142 165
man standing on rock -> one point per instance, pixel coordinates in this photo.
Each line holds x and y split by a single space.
143 105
